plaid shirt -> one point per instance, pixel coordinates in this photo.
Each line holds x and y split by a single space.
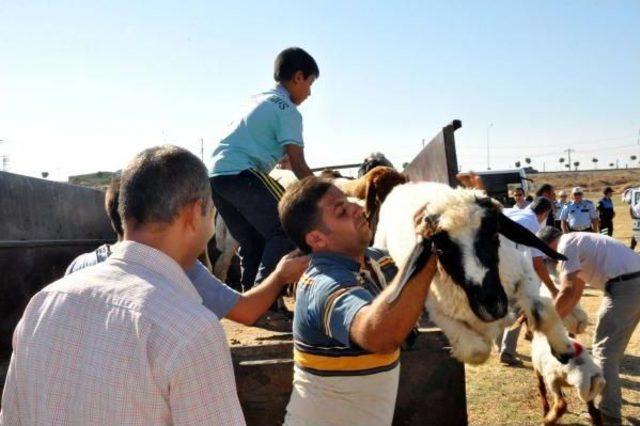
126 342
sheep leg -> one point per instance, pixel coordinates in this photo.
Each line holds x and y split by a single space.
542 388
223 263
542 317
594 412
559 406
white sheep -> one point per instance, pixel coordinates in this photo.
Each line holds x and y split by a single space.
581 373
477 276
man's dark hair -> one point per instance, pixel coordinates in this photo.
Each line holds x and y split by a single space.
541 205
292 60
299 211
607 190
159 182
549 234
111 206
544 189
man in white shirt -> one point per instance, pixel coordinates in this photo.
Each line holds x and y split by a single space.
606 264
530 217
128 341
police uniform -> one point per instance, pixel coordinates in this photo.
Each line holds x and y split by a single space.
605 209
559 205
580 216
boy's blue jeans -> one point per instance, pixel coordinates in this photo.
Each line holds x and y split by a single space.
248 203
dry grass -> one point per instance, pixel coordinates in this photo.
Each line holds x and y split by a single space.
498 395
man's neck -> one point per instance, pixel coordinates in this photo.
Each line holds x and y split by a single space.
162 241
356 257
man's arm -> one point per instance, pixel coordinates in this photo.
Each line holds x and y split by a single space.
298 162
570 293
381 327
565 226
255 302
543 274
595 219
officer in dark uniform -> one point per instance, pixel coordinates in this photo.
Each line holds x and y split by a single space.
606 212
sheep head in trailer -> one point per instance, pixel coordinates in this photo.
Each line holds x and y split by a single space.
469 296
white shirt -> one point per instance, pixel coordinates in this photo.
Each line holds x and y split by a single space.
126 342
599 258
342 400
527 218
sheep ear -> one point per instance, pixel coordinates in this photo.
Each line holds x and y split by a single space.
521 235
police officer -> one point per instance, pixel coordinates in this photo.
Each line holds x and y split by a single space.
559 205
580 214
606 212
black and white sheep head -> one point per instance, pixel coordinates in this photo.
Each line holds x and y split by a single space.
464 226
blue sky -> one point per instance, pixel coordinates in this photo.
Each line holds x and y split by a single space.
84 85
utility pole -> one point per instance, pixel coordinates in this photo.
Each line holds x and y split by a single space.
201 150
488 150
569 151
5 159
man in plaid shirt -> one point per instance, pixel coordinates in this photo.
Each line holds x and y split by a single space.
128 341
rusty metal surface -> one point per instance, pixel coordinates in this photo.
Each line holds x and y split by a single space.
431 390
437 162
43 226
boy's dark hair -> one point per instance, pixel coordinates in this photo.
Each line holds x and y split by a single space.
541 205
111 206
159 182
549 234
291 60
298 209
545 188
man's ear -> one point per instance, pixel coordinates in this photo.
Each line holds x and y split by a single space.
316 240
192 214
298 77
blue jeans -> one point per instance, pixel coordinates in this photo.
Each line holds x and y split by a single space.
248 203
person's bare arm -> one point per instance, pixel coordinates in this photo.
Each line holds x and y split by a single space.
565 226
596 225
570 293
381 327
298 163
543 274
255 302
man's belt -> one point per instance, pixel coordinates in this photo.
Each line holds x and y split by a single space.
587 229
624 277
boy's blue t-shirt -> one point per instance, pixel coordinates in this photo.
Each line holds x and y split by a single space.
257 139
